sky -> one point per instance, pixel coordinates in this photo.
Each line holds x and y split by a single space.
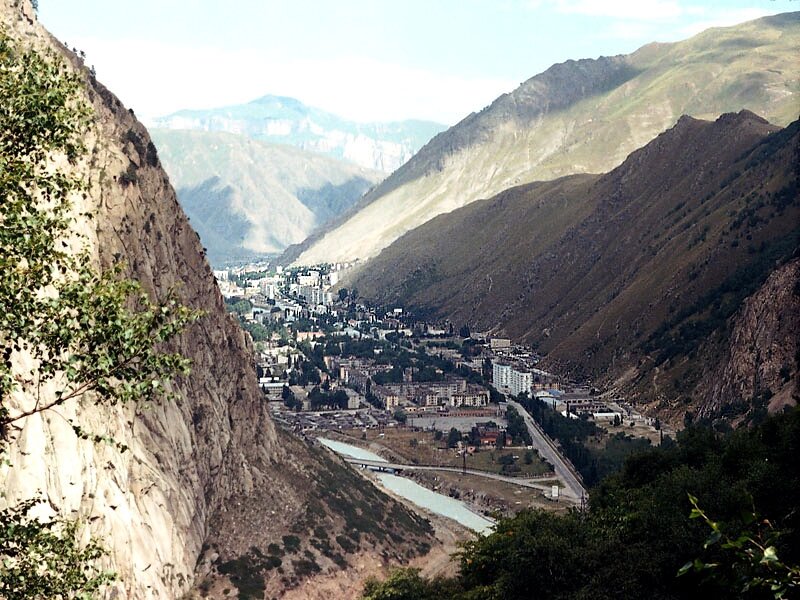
367 60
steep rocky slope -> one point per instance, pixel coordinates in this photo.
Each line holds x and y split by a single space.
630 270
759 366
581 116
278 119
247 198
206 479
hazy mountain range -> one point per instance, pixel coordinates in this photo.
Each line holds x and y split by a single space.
378 146
581 116
248 198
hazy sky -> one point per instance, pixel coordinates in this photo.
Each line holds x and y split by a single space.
363 59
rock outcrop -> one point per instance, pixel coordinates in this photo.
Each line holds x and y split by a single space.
760 362
206 477
150 505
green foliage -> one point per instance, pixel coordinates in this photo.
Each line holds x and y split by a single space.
327 400
257 331
239 306
66 330
516 428
636 535
44 559
407 584
453 437
752 562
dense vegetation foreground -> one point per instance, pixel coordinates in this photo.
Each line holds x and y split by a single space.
720 509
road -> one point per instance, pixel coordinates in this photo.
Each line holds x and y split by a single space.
573 487
534 482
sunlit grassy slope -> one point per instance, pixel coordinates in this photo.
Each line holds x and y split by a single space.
577 117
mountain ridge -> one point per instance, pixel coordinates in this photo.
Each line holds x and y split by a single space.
382 146
602 272
719 70
250 199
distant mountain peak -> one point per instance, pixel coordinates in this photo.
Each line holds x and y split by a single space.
285 120
280 102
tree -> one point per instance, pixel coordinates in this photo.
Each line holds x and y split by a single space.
453 437
343 293
67 331
751 561
407 584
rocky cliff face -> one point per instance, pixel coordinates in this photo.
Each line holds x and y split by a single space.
206 477
150 505
760 364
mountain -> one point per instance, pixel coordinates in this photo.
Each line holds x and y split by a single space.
756 365
179 490
627 273
378 146
248 198
580 116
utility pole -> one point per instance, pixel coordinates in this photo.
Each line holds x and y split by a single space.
464 461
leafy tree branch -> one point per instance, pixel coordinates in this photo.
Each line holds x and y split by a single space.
67 330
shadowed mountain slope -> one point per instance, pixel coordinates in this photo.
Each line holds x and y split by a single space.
604 272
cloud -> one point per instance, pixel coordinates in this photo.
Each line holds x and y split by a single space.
157 78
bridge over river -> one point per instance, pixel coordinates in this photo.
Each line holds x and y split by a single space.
537 483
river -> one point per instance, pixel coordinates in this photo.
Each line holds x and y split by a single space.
421 496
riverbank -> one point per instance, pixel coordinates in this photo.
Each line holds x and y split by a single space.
484 496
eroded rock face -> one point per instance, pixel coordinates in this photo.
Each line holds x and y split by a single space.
152 504
207 487
761 359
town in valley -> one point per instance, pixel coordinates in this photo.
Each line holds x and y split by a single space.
450 407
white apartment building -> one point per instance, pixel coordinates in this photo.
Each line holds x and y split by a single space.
521 381
501 374
311 278
511 380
